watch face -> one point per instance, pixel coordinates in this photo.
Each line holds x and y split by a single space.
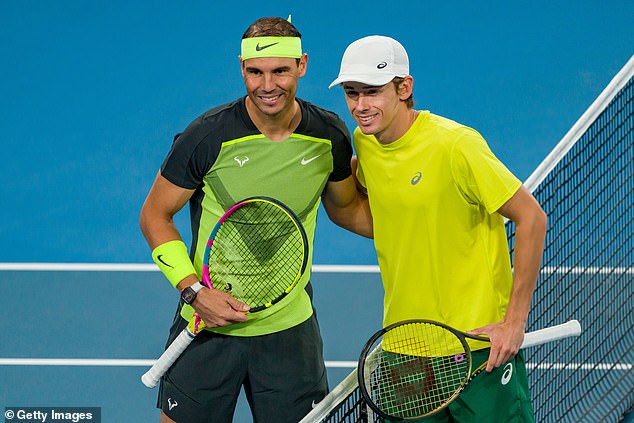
188 295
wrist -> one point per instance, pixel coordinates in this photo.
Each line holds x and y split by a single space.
187 282
173 260
189 293
516 320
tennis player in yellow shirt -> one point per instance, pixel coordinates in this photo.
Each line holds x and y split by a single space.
438 198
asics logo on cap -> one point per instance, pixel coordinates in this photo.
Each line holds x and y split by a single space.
381 65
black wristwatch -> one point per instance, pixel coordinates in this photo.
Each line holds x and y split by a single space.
188 295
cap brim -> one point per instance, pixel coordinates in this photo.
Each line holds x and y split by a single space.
374 80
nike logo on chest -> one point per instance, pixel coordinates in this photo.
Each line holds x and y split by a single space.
306 161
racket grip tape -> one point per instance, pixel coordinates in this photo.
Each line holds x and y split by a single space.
565 330
165 361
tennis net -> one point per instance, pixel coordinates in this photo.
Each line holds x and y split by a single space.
586 187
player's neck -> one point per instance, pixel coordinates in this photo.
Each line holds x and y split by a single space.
276 127
399 127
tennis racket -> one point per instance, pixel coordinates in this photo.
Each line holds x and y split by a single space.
415 368
257 252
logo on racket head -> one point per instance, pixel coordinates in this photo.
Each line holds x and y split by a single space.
508 374
241 160
416 178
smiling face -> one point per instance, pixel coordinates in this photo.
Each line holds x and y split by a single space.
380 111
271 84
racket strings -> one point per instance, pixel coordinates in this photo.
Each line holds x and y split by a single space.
420 367
258 253
263 226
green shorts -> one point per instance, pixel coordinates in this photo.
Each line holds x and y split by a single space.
500 396
283 375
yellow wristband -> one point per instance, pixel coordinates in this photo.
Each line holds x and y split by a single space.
173 260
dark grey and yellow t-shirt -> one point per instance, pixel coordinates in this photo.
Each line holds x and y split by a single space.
224 157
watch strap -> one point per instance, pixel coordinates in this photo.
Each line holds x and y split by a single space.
197 287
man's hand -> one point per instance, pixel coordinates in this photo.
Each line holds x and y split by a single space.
506 340
217 308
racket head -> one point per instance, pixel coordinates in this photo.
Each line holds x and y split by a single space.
257 252
412 369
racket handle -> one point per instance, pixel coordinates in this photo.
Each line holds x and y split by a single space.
165 361
553 333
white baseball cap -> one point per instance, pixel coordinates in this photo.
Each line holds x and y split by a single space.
373 60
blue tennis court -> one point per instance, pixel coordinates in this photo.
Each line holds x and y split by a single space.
94 324
93 357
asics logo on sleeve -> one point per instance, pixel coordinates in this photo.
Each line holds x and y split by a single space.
508 374
258 47
306 161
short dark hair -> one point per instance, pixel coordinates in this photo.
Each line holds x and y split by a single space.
397 81
271 27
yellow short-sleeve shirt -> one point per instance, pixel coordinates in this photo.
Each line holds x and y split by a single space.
441 245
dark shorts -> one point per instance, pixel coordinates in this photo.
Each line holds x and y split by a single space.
283 375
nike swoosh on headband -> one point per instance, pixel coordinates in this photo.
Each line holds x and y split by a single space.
260 48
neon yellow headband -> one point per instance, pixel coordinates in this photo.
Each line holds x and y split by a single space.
271 47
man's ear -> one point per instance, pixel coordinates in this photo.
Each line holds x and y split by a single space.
303 64
241 65
406 88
